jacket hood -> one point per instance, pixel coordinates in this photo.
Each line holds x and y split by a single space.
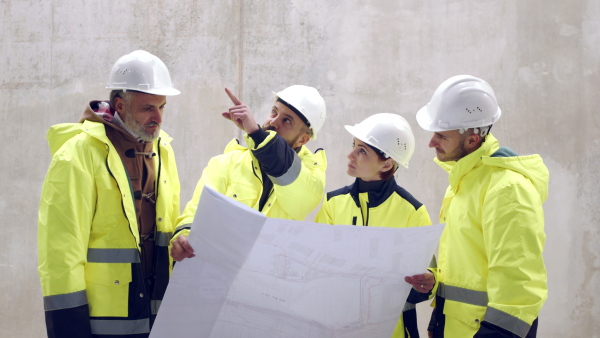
95 113
530 166
234 145
491 154
92 122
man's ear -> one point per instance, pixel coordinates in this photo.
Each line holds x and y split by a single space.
120 105
472 141
302 140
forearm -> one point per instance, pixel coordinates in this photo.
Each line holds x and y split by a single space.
296 177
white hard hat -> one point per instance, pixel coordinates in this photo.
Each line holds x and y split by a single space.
142 72
308 102
461 102
390 133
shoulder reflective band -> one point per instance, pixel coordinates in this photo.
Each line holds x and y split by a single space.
163 238
113 255
65 301
291 175
120 327
462 295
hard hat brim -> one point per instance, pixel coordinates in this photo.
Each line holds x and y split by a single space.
425 121
164 91
277 96
354 132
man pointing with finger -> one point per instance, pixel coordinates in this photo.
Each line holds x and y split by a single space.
276 174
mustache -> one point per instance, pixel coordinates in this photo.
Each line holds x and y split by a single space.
269 127
153 124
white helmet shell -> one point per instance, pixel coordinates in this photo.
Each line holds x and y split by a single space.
461 102
142 72
308 102
389 133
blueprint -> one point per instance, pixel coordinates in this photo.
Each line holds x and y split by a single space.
255 276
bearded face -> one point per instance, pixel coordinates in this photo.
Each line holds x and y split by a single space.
142 114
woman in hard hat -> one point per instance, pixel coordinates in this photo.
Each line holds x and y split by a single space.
381 143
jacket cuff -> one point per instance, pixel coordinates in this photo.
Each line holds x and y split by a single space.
258 136
416 297
72 322
489 330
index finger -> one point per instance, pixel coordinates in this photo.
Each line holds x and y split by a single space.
232 97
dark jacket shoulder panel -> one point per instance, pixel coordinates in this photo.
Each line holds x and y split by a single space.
408 197
341 191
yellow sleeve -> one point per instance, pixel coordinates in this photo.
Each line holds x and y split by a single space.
324 215
214 176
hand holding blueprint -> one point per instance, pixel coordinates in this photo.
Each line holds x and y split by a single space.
255 276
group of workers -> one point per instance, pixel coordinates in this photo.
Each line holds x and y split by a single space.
110 226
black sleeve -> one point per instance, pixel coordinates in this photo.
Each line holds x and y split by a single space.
489 330
69 323
416 297
258 136
411 329
276 157
432 322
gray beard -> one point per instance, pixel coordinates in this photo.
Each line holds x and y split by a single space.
137 128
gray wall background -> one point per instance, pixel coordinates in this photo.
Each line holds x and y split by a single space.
365 57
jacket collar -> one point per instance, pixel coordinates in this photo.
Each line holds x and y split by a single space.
378 192
458 169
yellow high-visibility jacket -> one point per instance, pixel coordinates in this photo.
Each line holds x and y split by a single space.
378 204
88 237
490 264
238 174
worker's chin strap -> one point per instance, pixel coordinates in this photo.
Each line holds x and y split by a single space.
482 131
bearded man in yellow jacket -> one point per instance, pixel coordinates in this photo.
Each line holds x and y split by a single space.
491 278
276 174
108 209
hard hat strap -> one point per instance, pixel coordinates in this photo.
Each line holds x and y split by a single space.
482 131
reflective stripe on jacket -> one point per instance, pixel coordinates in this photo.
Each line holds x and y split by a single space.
238 174
490 264
88 238
391 206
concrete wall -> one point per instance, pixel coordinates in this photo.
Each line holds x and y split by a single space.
541 57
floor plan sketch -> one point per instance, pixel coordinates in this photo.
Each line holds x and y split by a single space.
259 277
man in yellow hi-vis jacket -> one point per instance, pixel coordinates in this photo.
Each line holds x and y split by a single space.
276 174
491 278
108 209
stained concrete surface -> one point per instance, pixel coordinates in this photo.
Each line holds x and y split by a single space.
541 57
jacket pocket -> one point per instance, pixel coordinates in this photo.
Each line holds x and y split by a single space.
243 192
471 315
108 288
